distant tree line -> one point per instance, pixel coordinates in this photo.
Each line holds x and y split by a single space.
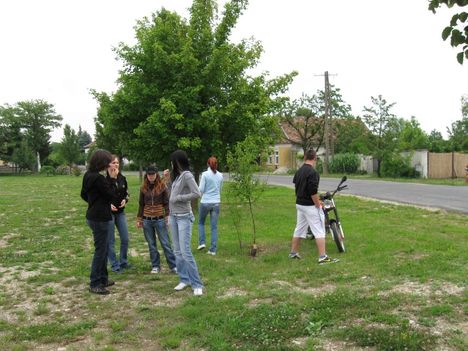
25 137
378 132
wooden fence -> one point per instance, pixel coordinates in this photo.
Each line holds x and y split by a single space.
447 165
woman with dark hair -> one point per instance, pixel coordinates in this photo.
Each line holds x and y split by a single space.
184 189
210 186
153 215
97 192
119 220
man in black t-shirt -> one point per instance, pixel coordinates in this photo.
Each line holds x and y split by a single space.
309 208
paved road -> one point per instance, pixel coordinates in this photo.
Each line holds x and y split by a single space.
452 198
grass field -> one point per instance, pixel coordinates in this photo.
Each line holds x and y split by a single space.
400 286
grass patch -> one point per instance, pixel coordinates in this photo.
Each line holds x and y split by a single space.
400 286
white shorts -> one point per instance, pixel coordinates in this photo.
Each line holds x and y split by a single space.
309 216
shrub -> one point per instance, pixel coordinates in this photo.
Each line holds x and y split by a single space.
345 163
319 166
131 167
396 166
48 170
76 171
62 170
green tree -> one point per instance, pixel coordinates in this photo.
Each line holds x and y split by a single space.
24 157
458 135
185 85
456 30
384 127
412 137
351 136
54 159
436 142
464 106
306 117
245 186
10 132
37 119
83 138
69 149
458 132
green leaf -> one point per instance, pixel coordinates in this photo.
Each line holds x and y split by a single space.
446 32
463 16
453 21
460 58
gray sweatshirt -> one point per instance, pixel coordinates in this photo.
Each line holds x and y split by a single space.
184 189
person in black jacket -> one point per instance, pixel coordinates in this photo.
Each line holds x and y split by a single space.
119 220
97 192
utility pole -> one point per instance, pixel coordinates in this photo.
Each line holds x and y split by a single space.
326 127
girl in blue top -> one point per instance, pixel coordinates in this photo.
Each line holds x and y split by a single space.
210 186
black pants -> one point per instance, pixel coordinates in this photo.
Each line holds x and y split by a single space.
99 275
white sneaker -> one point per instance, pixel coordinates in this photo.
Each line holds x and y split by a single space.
201 247
180 286
198 292
211 253
155 270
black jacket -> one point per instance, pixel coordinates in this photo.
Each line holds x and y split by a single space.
120 188
306 181
97 192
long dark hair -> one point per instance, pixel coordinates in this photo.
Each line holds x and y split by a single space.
100 160
180 163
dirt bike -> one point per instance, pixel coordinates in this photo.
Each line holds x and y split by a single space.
332 222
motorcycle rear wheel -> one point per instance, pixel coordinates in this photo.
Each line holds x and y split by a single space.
339 240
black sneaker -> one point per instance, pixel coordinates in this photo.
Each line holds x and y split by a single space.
109 283
295 255
327 259
100 290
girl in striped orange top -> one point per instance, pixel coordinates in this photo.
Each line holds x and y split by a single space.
153 212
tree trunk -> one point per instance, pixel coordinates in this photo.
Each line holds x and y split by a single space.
253 222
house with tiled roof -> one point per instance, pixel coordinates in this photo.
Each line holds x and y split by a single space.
286 150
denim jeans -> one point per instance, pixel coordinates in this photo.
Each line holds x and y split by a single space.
150 228
99 274
120 221
181 230
213 210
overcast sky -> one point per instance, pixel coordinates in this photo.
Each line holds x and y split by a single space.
58 50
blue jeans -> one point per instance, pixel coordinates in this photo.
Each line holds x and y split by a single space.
213 210
120 221
150 227
181 230
99 274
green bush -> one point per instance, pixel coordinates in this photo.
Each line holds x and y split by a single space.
319 166
48 170
76 171
398 166
62 170
130 167
345 163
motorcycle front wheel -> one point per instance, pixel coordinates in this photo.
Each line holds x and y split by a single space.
339 240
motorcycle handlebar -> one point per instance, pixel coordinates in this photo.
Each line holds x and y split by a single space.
329 195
